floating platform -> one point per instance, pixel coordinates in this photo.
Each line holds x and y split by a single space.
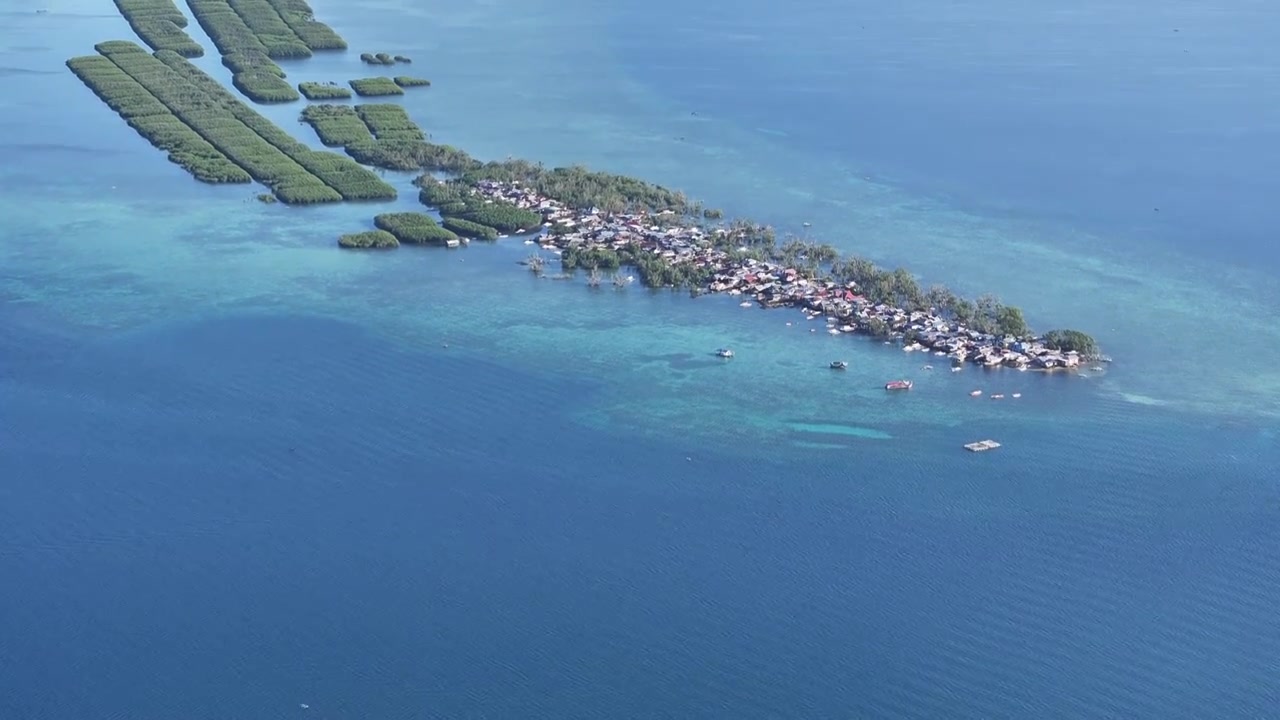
981 445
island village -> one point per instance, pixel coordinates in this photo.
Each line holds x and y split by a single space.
770 284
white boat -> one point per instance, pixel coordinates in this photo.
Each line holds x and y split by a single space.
724 353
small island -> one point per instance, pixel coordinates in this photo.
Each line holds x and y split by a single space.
406 81
369 239
383 59
414 228
160 25
376 87
323 91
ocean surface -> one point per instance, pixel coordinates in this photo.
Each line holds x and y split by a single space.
246 475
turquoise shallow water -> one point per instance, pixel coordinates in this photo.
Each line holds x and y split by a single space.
242 472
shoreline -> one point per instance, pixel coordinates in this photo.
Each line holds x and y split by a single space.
601 221
717 261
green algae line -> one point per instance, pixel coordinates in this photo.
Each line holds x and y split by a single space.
160 25
153 121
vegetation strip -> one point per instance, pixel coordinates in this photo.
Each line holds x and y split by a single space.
389 122
323 91
369 239
160 25
376 87
187 104
414 228
343 174
383 59
400 144
297 14
247 53
406 81
153 121
336 125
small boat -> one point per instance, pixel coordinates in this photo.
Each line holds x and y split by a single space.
839 365
898 385
975 393
1017 395
724 353
981 446
957 368
997 396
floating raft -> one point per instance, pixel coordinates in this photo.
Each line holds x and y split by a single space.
981 445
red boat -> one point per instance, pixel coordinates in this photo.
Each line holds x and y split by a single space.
898 385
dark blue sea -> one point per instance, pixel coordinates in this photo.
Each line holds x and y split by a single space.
244 474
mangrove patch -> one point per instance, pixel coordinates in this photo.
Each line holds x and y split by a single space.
248 55
160 25
406 81
323 91
414 228
183 93
369 239
336 125
300 18
375 87
383 59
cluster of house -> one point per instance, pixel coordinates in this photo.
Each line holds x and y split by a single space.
770 284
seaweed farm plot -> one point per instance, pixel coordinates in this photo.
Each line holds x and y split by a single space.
323 91
153 121
160 25
376 87
343 174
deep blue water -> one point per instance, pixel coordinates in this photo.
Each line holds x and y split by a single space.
240 472
1092 114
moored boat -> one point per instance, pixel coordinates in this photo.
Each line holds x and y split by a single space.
724 353
839 365
898 385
